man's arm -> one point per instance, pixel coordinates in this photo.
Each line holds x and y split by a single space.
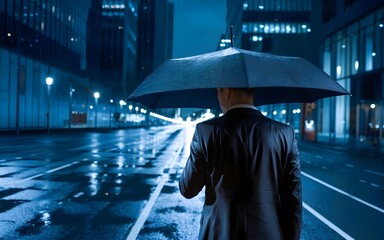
291 195
192 180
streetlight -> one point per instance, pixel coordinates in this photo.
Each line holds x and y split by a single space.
49 82
96 95
110 111
71 91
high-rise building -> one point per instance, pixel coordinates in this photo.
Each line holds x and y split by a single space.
350 36
136 36
270 26
154 39
41 41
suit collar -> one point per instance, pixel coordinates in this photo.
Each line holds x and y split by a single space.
245 110
242 106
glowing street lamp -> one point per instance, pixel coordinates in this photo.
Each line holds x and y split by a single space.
49 82
96 95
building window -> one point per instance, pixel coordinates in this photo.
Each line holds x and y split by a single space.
329 10
349 3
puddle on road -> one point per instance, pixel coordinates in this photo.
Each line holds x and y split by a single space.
169 231
115 187
170 189
45 219
177 209
6 205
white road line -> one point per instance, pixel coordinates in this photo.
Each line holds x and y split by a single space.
343 192
327 222
373 172
49 171
148 207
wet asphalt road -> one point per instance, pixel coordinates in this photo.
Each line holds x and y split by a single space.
123 185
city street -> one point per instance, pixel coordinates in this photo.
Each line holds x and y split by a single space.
122 184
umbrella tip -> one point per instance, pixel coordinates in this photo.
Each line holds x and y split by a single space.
231 33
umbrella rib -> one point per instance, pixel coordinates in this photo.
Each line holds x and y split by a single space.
246 69
299 88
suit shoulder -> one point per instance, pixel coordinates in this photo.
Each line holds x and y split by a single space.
277 124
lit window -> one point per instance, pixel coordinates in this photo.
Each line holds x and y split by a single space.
338 71
356 65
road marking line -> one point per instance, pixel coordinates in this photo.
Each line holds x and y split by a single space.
151 202
343 192
373 172
49 171
327 222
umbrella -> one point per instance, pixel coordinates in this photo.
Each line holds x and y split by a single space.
191 82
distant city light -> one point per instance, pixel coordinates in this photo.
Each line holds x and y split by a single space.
261 26
96 95
9 34
373 54
90 107
111 100
256 38
381 25
274 112
284 111
298 110
338 71
343 46
356 65
245 5
130 107
373 106
122 103
303 26
49 81
264 113
261 7
309 125
309 30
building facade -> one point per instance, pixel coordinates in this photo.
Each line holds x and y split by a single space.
351 35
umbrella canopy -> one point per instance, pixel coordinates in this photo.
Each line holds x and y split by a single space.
191 82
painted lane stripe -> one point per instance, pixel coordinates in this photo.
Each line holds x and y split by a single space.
343 192
151 202
373 172
327 222
49 171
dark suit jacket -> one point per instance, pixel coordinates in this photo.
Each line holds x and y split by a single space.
249 165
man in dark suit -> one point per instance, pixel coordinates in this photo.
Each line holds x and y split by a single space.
250 168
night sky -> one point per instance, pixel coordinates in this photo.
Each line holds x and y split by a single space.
198 25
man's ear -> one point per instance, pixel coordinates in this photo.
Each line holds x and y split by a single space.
227 93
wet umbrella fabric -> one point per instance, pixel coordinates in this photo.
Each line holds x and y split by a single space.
191 82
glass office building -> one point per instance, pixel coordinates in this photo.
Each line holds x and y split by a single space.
41 39
354 56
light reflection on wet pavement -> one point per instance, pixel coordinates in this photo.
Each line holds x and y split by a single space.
98 197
